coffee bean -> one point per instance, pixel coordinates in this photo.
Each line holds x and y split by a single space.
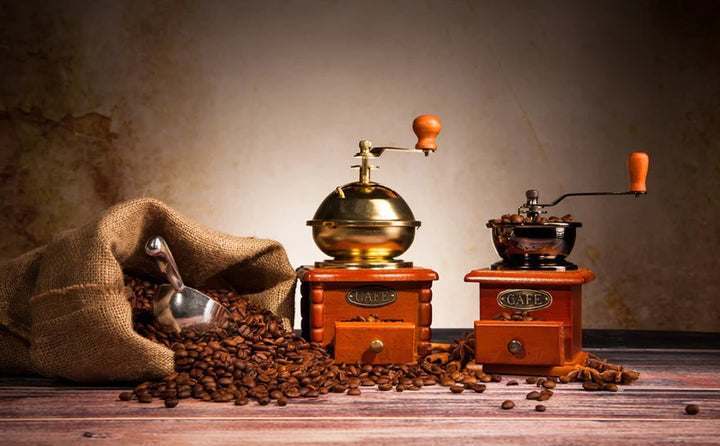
282 401
170 403
447 382
512 383
477 388
610 387
507 404
294 392
540 408
457 389
692 409
125 396
591 386
531 380
145 398
339 388
534 395
548 384
354 391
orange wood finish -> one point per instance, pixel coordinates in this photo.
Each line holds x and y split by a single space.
565 287
542 343
426 127
638 169
323 300
353 339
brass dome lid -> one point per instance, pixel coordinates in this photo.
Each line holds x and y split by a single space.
363 205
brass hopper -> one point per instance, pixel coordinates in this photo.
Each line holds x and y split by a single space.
365 224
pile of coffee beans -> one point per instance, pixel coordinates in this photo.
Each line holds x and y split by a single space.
517 219
256 359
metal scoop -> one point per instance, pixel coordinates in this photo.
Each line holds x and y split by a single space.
179 306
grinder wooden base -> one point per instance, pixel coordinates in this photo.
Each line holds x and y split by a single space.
331 299
549 339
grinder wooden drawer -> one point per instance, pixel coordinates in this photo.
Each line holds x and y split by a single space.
375 342
519 342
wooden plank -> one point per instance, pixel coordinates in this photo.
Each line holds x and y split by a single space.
650 411
442 431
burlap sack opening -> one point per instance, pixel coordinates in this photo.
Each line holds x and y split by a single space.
64 310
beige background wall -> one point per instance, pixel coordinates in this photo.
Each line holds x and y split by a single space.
244 115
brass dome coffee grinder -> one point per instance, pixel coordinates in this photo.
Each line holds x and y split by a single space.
531 300
364 304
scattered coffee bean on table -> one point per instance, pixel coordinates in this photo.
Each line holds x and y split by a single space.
692 409
256 359
540 408
507 404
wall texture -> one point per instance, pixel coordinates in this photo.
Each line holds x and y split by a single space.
244 115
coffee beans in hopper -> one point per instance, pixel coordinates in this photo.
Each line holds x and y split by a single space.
258 360
517 219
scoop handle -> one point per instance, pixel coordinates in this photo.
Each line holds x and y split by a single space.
638 169
426 127
159 249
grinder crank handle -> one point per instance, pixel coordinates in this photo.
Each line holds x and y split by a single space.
426 127
158 248
638 169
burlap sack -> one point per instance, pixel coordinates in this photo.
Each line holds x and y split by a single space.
64 310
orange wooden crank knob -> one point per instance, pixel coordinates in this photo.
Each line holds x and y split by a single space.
426 127
638 169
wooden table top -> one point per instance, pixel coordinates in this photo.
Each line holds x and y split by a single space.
649 411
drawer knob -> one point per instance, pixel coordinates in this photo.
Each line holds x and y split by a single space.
376 346
514 346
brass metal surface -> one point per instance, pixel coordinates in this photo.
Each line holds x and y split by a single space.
364 224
